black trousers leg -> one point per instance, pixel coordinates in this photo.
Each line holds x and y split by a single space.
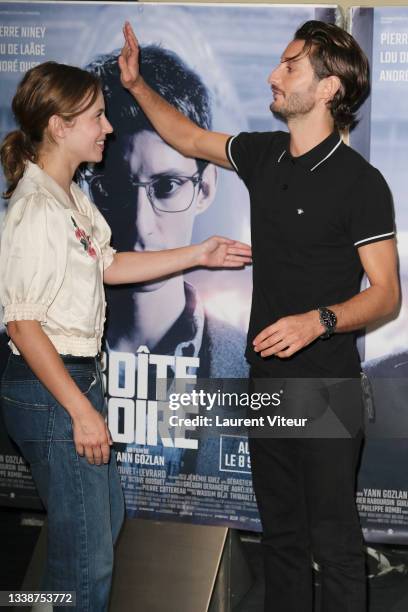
278 486
305 489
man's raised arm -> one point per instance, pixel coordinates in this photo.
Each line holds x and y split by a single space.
176 129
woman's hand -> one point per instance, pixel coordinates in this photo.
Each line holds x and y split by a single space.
129 58
220 252
91 436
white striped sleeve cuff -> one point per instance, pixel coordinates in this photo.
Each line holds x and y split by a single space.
374 238
229 154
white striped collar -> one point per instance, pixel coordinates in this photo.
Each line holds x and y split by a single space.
312 159
328 155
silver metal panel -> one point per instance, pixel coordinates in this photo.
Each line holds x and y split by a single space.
168 567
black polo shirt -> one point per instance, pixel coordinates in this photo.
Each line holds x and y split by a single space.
309 216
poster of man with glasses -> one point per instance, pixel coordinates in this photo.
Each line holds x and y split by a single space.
151 196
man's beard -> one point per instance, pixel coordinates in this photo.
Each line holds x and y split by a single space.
296 105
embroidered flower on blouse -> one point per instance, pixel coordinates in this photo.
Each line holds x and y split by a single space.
84 239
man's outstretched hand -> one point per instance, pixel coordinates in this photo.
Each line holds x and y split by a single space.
129 58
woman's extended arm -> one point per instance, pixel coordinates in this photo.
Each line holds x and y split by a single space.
215 252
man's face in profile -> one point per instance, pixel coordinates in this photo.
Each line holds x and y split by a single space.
150 194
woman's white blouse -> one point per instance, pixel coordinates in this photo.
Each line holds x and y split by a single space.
52 257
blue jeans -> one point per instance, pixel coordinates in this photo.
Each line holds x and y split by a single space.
84 502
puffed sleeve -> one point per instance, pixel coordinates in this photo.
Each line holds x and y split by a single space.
33 257
102 234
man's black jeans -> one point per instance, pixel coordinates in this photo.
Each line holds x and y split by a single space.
305 490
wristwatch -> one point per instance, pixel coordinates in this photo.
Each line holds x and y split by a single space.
328 319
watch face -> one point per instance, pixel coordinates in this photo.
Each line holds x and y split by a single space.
328 319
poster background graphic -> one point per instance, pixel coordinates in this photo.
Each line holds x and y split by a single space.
385 518
233 48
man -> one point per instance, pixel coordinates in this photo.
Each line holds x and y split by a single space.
320 216
150 195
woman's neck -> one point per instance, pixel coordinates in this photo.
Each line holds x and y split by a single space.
60 170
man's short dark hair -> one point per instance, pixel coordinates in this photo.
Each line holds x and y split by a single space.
167 74
334 52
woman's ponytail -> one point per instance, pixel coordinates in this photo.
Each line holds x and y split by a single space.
15 150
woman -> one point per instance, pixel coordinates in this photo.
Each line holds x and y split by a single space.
55 255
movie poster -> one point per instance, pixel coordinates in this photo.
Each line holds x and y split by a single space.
382 137
191 326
